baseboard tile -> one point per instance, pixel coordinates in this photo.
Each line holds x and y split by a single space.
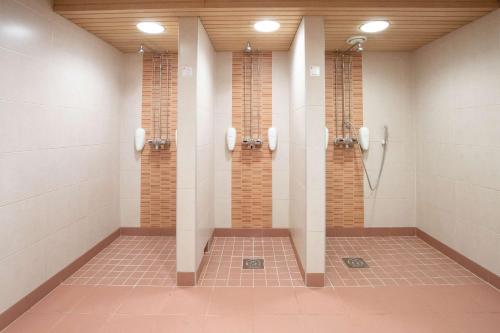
242 232
139 231
186 279
297 257
370 232
315 280
23 305
472 266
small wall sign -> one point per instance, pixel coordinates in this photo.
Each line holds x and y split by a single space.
187 71
314 71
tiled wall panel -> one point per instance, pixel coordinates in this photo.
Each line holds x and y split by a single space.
344 171
252 169
60 104
158 167
387 101
457 109
130 159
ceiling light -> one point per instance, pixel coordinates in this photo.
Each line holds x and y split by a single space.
374 26
266 26
150 27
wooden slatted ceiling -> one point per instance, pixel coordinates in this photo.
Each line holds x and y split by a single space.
230 23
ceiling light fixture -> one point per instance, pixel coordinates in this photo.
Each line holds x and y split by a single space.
266 26
374 26
150 27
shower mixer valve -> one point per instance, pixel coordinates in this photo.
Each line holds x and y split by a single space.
251 143
158 144
347 141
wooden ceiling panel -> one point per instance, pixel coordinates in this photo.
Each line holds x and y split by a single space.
229 23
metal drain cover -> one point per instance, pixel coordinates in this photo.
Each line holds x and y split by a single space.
355 262
253 263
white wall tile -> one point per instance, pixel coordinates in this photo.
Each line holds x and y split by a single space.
281 214
195 164
20 273
457 104
307 153
130 212
60 94
387 101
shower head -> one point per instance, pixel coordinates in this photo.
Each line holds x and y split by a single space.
248 48
141 50
356 42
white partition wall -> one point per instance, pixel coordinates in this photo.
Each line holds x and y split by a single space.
194 147
307 153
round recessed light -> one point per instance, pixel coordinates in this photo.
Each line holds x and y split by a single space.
150 27
374 26
266 26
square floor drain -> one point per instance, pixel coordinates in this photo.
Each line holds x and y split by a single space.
355 262
253 263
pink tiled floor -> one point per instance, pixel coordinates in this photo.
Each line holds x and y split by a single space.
106 308
131 261
393 261
401 309
224 266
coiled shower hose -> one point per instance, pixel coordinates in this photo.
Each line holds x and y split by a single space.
384 147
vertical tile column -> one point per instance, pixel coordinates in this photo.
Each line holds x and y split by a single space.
186 151
307 150
194 148
315 149
281 156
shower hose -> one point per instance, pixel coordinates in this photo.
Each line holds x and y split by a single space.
384 146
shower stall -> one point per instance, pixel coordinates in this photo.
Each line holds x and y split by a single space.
159 156
251 161
345 158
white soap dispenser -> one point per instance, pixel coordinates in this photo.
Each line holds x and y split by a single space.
140 139
364 138
327 137
231 138
272 136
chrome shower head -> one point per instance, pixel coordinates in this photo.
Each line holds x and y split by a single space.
356 42
248 48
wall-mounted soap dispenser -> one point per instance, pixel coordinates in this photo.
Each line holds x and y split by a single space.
327 137
364 138
272 136
231 138
140 139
